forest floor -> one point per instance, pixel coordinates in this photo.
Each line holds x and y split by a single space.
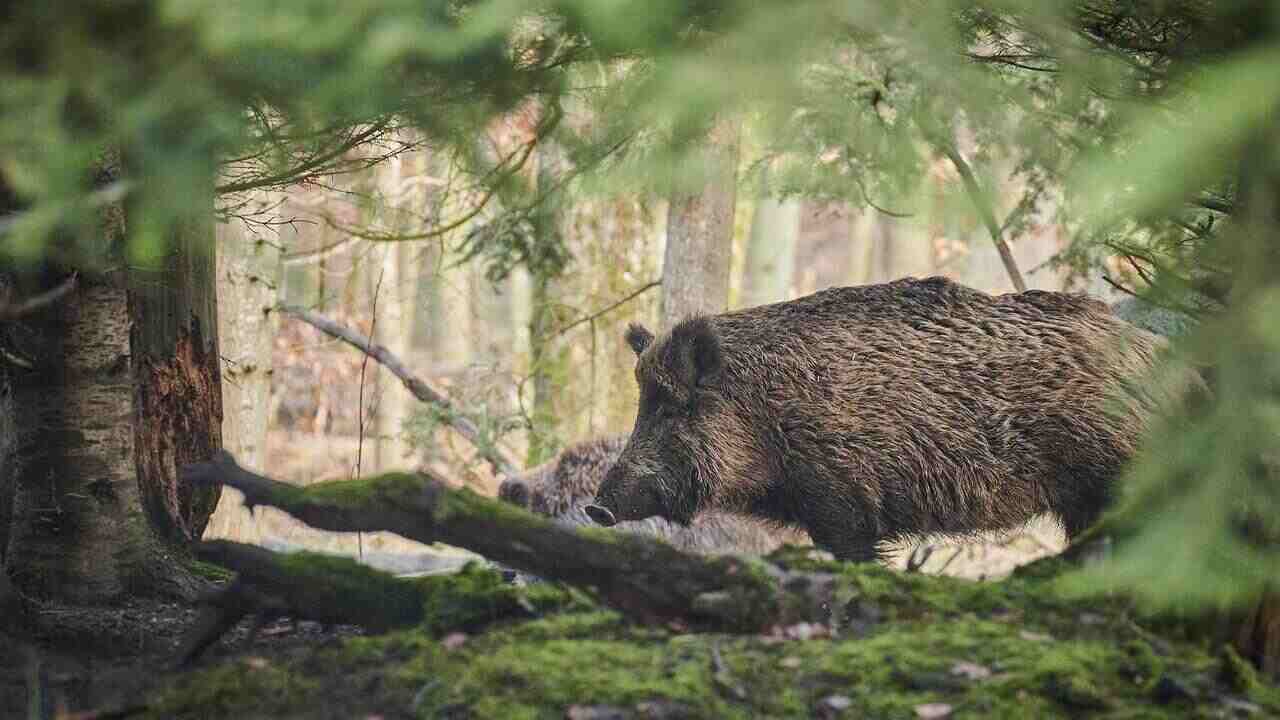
911 646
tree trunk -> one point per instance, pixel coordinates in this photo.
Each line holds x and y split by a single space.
695 265
771 249
77 524
862 244
123 387
8 406
902 252
178 410
249 271
1256 272
394 328
545 362
8 449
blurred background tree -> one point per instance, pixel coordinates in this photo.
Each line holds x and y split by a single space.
483 186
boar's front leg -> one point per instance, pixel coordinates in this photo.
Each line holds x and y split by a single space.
851 542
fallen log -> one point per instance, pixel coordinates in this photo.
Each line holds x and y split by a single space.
645 579
340 591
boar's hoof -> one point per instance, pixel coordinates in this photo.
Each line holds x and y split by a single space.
601 515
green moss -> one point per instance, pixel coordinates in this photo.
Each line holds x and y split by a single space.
1238 673
398 488
245 688
1009 649
478 595
209 571
347 587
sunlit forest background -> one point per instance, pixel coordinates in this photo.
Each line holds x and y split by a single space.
493 190
387 249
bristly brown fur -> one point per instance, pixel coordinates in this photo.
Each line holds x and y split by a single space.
560 488
870 414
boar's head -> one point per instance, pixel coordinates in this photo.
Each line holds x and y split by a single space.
664 470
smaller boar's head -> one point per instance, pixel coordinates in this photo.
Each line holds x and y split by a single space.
660 472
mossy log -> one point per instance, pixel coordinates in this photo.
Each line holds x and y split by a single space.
337 590
644 578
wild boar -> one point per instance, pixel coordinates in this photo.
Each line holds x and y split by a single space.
867 415
561 487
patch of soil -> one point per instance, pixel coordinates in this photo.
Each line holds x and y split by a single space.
109 658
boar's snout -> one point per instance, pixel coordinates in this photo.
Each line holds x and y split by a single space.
625 496
601 515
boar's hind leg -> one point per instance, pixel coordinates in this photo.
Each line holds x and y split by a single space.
1081 502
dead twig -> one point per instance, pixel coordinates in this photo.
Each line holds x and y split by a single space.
721 675
986 210
421 389
608 308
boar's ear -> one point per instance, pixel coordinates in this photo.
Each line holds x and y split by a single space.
695 352
638 337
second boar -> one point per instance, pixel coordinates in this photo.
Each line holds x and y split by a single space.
561 488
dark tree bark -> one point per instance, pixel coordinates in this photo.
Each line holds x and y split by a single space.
1256 260
178 405
105 388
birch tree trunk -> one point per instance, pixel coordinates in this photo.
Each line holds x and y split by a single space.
249 272
695 264
901 250
123 386
862 245
394 330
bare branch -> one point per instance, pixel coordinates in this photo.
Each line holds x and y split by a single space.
986 210
1107 279
608 309
14 310
315 165
421 389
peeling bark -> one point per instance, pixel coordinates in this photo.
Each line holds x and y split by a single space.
178 405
